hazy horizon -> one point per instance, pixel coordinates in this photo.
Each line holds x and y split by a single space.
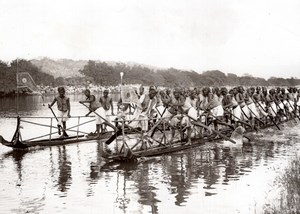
261 37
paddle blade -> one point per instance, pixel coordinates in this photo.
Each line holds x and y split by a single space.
59 129
113 137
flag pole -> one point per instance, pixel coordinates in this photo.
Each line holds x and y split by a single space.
121 75
17 89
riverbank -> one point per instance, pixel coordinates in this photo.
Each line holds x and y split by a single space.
288 199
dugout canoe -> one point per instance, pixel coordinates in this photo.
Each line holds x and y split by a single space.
53 142
18 143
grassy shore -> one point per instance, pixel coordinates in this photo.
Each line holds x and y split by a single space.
288 200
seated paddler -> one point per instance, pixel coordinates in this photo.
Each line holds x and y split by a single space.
183 112
145 111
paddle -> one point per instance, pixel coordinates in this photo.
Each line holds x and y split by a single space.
113 137
283 110
255 116
58 125
248 118
293 109
238 120
197 123
217 119
269 116
244 113
117 133
156 126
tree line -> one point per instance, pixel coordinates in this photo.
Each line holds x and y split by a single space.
104 74
8 73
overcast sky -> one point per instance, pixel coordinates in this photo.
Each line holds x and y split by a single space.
258 37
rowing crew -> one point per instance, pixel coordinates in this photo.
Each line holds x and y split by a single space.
218 106
101 109
232 108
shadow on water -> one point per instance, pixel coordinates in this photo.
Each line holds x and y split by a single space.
95 170
17 157
65 170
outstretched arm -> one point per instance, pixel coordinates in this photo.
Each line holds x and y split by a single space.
69 107
53 102
112 107
88 100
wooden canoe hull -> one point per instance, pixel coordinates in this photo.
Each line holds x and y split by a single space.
52 142
162 150
178 146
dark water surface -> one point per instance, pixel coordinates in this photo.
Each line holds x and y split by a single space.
77 179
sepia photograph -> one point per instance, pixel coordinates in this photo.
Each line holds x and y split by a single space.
139 106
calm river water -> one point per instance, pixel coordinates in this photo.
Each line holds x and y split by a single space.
77 179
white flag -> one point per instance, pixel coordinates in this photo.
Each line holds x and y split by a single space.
128 95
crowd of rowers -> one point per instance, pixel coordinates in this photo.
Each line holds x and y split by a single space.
252 107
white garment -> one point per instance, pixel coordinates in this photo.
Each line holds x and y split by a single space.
245 113
62 116
261 109
100 115
237 112
253 110
218 111
272 109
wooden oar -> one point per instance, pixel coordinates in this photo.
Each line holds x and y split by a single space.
244 113
117 133
274 110
153 128
99 116
156 125
255 116
58 125
197 123
217 119
253 127
113 137
283 109
293 109
269 116
240 121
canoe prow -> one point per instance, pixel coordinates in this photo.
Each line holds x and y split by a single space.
18 144
4 142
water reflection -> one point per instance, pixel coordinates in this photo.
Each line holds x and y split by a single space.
65 170
212 165
17 157
95 170
145 188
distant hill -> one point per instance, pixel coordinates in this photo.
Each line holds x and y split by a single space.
61 67
108 73
70 68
